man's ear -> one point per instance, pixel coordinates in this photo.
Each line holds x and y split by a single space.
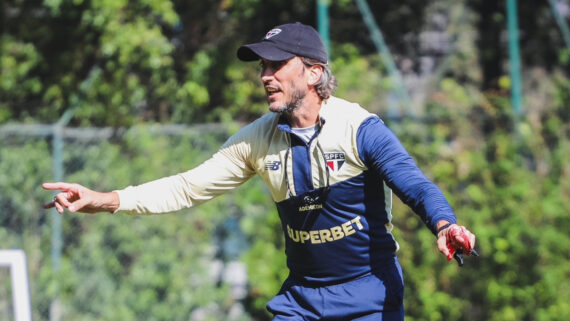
315 73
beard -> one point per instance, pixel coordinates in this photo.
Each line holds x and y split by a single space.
297 99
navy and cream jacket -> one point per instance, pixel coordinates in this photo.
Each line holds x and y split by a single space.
333 193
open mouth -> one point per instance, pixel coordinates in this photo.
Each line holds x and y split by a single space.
271 91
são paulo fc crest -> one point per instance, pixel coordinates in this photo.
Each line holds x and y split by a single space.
272 32
335 161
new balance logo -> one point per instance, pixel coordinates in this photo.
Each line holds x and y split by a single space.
272 165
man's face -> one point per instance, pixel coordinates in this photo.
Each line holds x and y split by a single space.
285 83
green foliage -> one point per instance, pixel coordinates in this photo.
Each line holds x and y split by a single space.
114 266
130 64
17 81
506 185
363 80
244 95
193 93
265 258
564 57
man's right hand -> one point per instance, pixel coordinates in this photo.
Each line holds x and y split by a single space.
77 198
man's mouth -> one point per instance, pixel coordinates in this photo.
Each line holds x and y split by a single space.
270 90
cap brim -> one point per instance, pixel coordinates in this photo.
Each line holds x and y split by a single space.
264 50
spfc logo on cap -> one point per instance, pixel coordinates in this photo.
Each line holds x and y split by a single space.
272 32
335 161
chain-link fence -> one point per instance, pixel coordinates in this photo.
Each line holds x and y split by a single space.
111 267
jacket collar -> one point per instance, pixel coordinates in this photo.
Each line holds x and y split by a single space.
284 126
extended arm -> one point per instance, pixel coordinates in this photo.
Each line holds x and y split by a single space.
382 151
225 170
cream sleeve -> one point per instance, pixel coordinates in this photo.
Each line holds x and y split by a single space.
224 171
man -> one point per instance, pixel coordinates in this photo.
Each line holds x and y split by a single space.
330 167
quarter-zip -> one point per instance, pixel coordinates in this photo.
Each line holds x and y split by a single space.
302 171
300 153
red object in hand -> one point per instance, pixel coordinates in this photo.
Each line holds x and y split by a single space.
456 238
451 251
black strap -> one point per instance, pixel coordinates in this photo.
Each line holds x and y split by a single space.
443 227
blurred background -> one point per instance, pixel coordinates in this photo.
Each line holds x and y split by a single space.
111 93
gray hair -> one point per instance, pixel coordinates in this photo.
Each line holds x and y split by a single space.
327 84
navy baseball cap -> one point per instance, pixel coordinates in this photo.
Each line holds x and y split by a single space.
285 42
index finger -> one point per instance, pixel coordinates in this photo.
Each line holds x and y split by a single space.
62 186
472 239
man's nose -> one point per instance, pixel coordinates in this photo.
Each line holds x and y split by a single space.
267 73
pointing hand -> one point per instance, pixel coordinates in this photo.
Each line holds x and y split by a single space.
77 198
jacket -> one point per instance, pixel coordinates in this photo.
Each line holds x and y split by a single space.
333 193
